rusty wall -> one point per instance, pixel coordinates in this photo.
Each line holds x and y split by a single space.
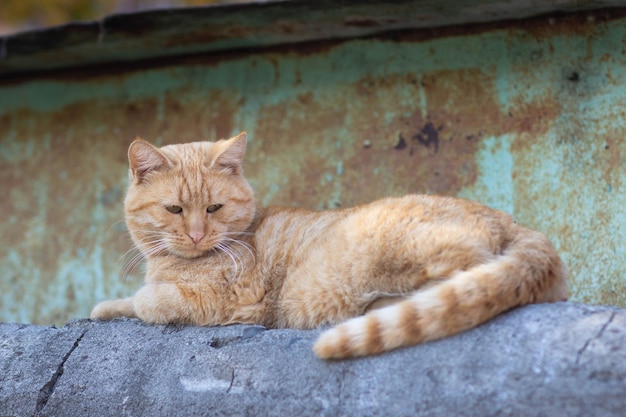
524 116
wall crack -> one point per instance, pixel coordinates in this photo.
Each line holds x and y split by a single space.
596 337
46 391
232 380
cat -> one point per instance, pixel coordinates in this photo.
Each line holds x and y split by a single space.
391 273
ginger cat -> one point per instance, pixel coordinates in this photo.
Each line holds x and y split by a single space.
396 272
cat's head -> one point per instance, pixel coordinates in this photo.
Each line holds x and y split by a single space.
187 199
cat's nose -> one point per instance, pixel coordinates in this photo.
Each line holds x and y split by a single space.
196 236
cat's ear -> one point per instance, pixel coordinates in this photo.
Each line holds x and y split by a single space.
145 158
231 152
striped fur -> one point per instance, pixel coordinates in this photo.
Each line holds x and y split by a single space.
391 273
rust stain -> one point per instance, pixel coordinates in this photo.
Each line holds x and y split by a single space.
294 138
207 116
430 150
417 151
53 197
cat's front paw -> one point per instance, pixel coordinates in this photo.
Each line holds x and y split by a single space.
110 309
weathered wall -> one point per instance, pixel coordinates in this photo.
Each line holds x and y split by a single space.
525 116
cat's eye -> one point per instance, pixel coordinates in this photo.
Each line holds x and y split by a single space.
213 208
174 209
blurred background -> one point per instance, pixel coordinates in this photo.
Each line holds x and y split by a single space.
520 105
19 15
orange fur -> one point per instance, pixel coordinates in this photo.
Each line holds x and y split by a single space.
395 272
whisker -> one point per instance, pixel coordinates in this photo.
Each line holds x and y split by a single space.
224 249
240 260
113 225
245 245
132 263
154 242
132 266
144 248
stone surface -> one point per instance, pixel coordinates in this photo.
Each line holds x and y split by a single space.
31 361
563 359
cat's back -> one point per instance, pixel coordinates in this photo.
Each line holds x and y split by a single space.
289 235
399 214
431 208
427 220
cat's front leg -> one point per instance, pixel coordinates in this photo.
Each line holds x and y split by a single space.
163 303
160 303
110 309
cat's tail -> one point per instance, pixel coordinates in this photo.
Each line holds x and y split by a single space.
528 271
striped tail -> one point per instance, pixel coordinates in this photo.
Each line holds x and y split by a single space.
528 271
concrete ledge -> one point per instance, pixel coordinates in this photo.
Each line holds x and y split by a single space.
563 359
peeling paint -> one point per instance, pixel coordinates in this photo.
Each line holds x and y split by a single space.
527 117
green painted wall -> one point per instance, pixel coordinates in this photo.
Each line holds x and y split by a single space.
526 117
